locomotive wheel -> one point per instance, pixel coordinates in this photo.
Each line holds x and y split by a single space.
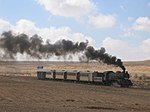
115 84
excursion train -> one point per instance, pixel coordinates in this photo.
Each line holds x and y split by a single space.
109 78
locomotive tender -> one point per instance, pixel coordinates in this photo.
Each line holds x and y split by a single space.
119 79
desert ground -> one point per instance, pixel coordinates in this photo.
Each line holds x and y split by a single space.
20 91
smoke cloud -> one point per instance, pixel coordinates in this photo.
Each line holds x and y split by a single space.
34 46
100 55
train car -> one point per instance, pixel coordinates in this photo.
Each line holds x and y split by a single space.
59 74
72 75
85 76
41 75
97 77
49 74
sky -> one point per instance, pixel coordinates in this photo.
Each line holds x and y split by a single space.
121 26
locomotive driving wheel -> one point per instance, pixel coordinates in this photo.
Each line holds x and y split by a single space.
115 84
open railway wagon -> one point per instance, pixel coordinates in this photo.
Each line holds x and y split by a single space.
120 79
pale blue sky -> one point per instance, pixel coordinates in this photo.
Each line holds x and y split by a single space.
130 24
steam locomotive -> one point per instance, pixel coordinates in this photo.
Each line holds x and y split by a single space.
109 78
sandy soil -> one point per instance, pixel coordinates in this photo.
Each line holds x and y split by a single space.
27 94
20 91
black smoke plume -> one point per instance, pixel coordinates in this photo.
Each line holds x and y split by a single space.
34 46
100 55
